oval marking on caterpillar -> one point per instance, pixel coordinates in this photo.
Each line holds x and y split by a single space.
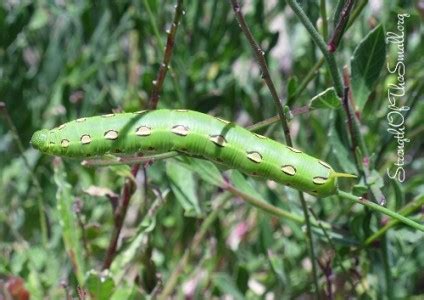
218 140
80 120
294 150
111 135
85 139
324 164
289 170
108 115
180 130
254 156
222 120
64 143
143 131
61 127
182 110
140 112
319 180
260 136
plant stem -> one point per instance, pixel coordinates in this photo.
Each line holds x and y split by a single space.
381 209
119 216
341 25
157 84
323 12
128 160
316 37
406 210
259 55
129 186
152 19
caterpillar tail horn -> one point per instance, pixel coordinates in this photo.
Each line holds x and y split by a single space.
344 175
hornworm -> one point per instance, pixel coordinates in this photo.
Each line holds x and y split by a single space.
191 133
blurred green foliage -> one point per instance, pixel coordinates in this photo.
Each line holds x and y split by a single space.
63 59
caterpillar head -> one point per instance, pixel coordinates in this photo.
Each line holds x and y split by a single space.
40 140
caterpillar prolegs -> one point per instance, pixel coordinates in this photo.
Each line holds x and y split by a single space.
191 133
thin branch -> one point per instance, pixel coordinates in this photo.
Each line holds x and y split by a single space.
128 160
353 123
129 185
316 37
341 25
163 69
381 209
323 12
259 55
405 211
119 215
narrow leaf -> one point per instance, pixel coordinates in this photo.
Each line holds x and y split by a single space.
366 64
183 186
71 236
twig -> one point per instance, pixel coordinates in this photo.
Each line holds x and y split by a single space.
41 210
119 216
323 12
147 159
157 84
294 112
259 55
341 25
129 185
381 209
316 37
152 20
353 123
405 211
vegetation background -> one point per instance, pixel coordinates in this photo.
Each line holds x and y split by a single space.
186 235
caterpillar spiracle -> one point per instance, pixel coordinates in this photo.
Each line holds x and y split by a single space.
194 134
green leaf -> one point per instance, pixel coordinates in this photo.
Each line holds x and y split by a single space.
70 233
291 89
376 182
122 171
366 64
100 286
126 256
340 152
183 186
325 100
205 169
243 184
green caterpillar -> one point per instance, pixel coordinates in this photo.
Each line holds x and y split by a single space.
194 134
